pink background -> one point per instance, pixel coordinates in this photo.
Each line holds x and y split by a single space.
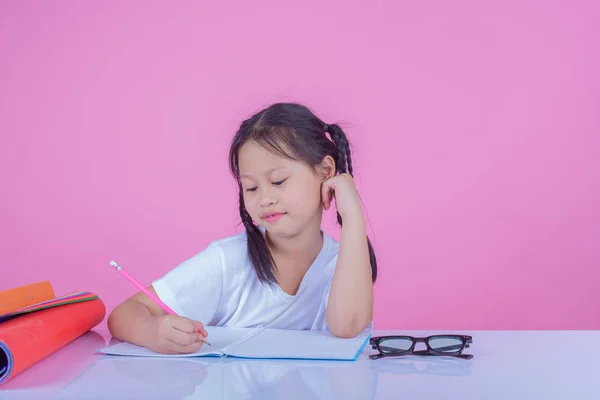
476 129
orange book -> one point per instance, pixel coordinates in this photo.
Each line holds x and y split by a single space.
31 331
23 296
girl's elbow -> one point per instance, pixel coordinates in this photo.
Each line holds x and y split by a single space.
349 329
344 333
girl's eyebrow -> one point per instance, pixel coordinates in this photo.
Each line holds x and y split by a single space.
267 172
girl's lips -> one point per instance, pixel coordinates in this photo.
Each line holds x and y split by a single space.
273 217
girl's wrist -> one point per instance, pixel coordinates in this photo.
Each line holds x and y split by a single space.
353 220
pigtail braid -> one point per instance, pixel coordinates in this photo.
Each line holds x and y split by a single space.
343 163
259 253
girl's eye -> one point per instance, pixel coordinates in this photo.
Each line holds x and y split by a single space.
279 182
251 189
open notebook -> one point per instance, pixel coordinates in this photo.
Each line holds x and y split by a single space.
263 342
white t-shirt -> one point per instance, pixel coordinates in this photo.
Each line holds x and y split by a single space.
219 287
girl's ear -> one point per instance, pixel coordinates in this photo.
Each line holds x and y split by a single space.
326 168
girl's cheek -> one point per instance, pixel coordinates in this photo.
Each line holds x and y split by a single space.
250 207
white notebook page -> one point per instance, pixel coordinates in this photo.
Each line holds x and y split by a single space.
219 338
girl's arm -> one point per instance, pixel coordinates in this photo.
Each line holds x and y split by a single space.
350 304
126 322
141 321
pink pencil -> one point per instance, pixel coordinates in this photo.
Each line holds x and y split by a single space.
147 292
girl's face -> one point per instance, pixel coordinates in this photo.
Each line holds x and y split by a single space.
281 195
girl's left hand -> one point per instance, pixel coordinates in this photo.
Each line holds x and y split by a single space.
342 188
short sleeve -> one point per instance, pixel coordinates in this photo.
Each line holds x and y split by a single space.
193 288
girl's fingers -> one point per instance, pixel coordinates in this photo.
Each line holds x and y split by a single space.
183 338
183 324
185 349
326 194
200 328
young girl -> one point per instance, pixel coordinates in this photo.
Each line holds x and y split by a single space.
283 271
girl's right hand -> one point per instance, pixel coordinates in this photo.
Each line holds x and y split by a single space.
172 334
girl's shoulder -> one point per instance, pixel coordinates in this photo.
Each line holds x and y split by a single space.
233 241
234 246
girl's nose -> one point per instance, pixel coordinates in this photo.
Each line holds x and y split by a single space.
267 201
267 198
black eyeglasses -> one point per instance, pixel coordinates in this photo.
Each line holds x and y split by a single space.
437 345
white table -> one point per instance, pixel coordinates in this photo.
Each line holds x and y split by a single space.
507 365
